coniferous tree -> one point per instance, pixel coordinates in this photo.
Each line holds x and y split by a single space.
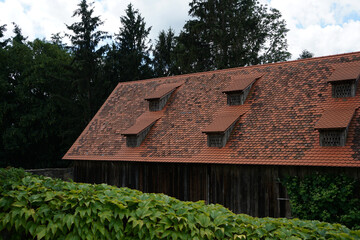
19 37
3 87
305 54
164 64
230 33
133 47
85 41
3 43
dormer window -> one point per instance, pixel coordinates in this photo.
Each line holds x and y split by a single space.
343 89
240 87
333 126
219 139
332 137
219 131
158 99
137 133
344 81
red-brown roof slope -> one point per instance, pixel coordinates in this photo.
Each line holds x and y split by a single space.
278 128
335 118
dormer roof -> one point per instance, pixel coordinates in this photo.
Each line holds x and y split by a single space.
224 119
144 121
335 118
241 82
163 90
345 72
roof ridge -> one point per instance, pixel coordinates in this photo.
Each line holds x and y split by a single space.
238 68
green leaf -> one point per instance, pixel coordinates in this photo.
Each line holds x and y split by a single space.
40 231
203 220
68 220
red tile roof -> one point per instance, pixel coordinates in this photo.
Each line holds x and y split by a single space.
162 91
278 127
335 118
144 121
225 118
239 83
345 72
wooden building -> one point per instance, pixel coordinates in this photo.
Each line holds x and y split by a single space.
227 136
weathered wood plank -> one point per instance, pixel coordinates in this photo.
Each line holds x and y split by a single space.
254 190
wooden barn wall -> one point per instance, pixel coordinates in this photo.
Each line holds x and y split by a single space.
250 189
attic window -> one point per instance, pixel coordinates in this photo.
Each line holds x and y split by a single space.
343 89
136 134
344 81
158 104
134 140
158 99
238 98
219 139
333 126
238 90
219 131
335 137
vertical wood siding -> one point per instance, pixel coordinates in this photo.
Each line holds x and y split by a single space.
250 189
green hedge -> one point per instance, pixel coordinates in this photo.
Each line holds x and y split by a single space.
44 208
325 197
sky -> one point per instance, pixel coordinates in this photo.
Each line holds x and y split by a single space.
324 27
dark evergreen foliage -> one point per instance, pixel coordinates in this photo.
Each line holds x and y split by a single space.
325 197
132 47
305 54
19 37
3 43
39 113
88 54
230 33
164 59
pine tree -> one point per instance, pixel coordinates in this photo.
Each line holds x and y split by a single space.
305 54
3 43
230 33
85 46
19 37
133 47
164 54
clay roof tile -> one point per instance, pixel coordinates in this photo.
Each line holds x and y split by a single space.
144 121
335 118
162 90
241 82
224 119
345 72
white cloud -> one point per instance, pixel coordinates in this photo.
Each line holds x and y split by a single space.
323 27
41 18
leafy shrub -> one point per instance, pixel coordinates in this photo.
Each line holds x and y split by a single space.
44 208
325 197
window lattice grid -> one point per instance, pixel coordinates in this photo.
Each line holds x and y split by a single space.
345 89
330 138
158 104
234 98
215 140
238 98
219 139
136 140
131 140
